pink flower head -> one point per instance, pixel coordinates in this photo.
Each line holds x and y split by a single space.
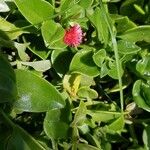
73 36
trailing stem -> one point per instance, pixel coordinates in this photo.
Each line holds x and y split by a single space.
115 48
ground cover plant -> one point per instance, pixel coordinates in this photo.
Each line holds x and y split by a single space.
74 74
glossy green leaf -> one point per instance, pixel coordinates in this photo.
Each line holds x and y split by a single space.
127 47
53 34
36 94
143 66
7 81
118 124
61 60
56 123
10 29
97 19
83 63
140 33
40 10
99 57
140 94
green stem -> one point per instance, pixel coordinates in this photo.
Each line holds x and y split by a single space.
115 48
107 112
54 144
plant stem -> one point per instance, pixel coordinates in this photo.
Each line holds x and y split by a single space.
115 48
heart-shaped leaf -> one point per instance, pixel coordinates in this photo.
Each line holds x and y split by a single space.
39 10
83 63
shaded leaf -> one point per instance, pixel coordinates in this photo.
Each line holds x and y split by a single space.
8 90
139 95
61 60
20 139
83 63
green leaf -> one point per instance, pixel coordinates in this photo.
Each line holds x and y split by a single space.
140 33
42 65
20 139
37 46
36 94
143 66
99 57
85 3
83 63
80 115
10 29
61 60
72 10
86 92
56 124
146 137
65 4
97 19
104 116
104 70
113 70
7 81
35 11
86 147
53 34
123 24
21 48
127 47
118 124
140 94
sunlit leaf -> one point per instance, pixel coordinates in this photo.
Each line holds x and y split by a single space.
36 94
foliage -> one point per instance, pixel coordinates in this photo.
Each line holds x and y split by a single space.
94 96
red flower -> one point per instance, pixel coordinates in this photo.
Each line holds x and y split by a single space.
73 36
